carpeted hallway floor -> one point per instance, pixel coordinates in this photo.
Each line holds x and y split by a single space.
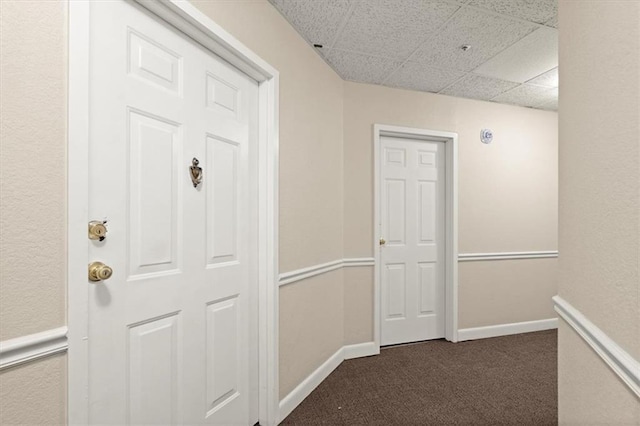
508 380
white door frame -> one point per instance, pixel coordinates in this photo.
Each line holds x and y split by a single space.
190 21
451 219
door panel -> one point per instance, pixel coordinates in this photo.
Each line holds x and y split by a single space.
396 285
222 200
169 331
412 206
154 371
222 353
155 148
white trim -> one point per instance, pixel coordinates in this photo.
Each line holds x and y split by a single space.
33 346
360 350
620 361
506 329
189 20
360 261
297 395
469 257
77 213
312 271
451 285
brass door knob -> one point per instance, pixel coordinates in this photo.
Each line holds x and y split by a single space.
98 271
97 230
382 241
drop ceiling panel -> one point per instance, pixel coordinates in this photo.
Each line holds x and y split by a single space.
553 22
528 95
416 45
486 33
392 28
530 10
318 21
548 79
527 58
478 87
549 106
416 76
358 67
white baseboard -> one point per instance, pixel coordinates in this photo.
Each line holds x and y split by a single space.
360 350
296 396
506 329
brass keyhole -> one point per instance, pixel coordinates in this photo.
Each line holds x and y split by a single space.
98 271
97 230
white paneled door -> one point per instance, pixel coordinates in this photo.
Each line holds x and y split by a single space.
412 245
173 332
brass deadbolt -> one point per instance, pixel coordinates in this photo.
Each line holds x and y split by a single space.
97 230
98 271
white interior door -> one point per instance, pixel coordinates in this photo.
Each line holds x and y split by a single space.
412 247
173 332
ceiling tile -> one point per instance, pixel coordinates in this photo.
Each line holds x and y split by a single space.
416 76
487 34
548 79
526 59
553 22
478 87
528 95
358 67
392 28
317 21
550 106
538 11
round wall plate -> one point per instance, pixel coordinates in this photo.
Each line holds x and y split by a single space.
486 136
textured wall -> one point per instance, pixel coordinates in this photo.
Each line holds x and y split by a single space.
310 326
590 393
599 240
506 291
507 194
32 202
35 393
32 167
358 303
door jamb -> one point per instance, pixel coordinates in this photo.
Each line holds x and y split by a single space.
196 25
451 218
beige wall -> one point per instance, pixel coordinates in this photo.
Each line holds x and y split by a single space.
507 194
358 305
309 311
33 202
590 392
33 156
35 393
599 268
506 291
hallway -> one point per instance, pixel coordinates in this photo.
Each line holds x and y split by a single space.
504 380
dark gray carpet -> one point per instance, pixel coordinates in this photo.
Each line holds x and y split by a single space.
508 380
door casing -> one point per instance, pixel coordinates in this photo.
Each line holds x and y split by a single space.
193 23
451 221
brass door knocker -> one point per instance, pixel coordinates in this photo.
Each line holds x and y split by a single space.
196 172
